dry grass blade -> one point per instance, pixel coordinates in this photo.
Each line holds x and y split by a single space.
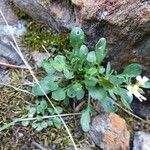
130 113
17 89
46 51
17 48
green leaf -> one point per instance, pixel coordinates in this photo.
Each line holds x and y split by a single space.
80 94
44 124
50 110
126 100
39 110
147 85
32 111
47 85
59 63
90 81
71 92
48 67
57 122
100 50
66 101
104 82
37 90
101 70
116 80
92 110
85 120
59 109
133 70
112 94
76 37
25 123
108 69
77 86
83 52
68 74
35 125
91 57
92 71
43 104
50 122
109 105
97 93
59 94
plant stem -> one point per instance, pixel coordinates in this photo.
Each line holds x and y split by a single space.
35 118
89 99
46 117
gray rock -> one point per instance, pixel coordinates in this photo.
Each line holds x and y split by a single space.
16 27
39 57
141 141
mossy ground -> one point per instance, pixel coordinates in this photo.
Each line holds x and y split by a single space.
13 104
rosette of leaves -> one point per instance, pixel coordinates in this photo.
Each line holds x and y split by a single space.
81 72
39 113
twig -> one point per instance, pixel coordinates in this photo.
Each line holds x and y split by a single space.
38 146
12 66
79 106
31 72
130 113
17 89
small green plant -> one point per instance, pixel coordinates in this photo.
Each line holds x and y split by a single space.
42 109
81 75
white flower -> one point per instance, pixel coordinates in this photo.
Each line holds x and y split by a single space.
141 81
134 90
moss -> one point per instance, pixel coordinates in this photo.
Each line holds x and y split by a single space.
19 13
39 34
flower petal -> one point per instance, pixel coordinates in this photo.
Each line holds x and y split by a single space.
129 93
145 79
138 78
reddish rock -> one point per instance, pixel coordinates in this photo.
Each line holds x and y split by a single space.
109 132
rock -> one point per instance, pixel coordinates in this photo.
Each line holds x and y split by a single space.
125 24
16 27
141 141
141 108
39 57
109 132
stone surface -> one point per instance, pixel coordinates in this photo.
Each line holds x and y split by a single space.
109 132
39 57
141 141
16 27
